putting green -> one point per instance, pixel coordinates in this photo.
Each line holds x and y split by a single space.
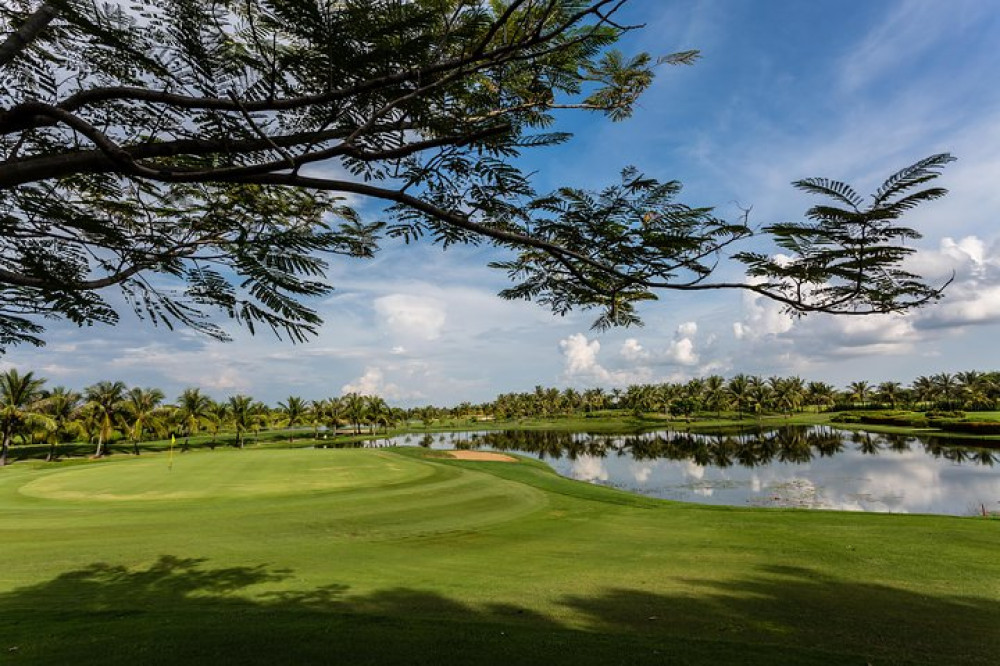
352 493
223 475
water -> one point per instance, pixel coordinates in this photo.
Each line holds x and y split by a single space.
813 468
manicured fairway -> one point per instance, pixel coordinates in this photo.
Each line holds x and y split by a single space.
381 556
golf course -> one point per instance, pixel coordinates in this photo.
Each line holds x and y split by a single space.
372 556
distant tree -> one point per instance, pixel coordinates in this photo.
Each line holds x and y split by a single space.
140 406
105 402
20 397
377 412
858 393
888 393
925 390
182 151
193 411
947 389
294 412
739 388
244 416
820 394
715 396
61 404
355 410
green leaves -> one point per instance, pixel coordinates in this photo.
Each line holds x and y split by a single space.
848 259
191 154
620 244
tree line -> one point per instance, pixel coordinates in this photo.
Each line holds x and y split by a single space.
752 394
110 411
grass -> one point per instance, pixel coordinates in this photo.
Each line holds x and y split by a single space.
396 556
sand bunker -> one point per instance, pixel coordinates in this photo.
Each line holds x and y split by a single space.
481 456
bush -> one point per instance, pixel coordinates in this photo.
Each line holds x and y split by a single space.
940 414
970 427
884 417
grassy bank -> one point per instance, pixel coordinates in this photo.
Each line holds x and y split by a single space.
383 556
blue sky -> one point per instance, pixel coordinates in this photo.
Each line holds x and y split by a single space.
786 89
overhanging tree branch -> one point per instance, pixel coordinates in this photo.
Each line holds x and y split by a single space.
177 151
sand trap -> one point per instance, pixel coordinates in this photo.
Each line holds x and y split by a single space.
481 455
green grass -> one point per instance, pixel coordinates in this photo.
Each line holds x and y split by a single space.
396 556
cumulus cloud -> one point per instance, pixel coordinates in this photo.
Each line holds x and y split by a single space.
682 352
687 330
633 351
581 364
580 357
372 382
763 318
411 317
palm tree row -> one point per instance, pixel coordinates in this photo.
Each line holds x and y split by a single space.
110 411
742 394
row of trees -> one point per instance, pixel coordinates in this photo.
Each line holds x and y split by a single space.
111 411
746 394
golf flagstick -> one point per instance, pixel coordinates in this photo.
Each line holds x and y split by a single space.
170 458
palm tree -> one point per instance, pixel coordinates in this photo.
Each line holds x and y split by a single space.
924 390
739 388
715 395
293 412
193 410
61 405
104 400
218 412
888 393
354 410
947 388
973 387
760 393
140 406
242 410
377 411
857 393
820 394
19 404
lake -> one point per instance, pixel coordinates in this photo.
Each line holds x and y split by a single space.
800 467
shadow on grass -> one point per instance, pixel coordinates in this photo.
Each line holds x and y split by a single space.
182 611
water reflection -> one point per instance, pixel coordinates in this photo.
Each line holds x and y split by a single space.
816 467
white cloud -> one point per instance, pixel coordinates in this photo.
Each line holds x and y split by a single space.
763 318
580 357
633 351
687 330
373 382
682 352
411 317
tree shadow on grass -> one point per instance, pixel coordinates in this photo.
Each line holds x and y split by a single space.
183 611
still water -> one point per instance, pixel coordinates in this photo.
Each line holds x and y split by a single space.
813 468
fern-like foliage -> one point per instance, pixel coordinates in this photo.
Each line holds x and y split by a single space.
197 155
848 257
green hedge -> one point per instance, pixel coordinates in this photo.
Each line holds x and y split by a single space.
971 427
886 417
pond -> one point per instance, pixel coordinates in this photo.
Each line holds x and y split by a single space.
813 468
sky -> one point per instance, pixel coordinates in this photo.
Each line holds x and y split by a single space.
852 90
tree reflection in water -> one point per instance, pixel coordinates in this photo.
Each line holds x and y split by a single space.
789 444
805 467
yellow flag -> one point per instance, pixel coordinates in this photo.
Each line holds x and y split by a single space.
170 458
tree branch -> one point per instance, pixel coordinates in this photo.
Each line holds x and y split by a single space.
21 38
